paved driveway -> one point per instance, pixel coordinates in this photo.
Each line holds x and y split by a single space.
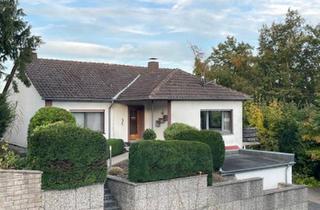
314 198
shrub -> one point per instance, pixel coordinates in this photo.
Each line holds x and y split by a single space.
216 144
48 115
6 114
69 156
116 171
289 138
8 159
162 160
174 128
117 146
211 138
149 134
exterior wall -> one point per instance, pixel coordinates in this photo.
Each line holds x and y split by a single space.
271 177
191 193
189 112
88 197
20 189
119 121
119 118
78 105
27 102
160 108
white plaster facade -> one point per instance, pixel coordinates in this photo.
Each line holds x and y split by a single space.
28 101
271 176
188 112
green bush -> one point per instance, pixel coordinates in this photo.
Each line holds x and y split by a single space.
48 115
174 128
6 114
149 134
211 138
289 138
117 146
162 160
8 159
69 156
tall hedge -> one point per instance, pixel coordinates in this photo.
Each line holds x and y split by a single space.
211 138
170 132
117 146
69 156
161 160
48 115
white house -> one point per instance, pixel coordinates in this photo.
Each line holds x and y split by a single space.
122 101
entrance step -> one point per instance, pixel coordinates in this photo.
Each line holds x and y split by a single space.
110 202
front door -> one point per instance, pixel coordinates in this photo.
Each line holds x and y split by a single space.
136 122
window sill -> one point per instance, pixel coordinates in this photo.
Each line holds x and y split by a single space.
223 133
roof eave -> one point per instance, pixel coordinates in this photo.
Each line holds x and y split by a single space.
78 99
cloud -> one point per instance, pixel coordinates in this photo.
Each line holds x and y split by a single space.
131 31
136 54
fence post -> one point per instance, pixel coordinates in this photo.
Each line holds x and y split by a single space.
110 156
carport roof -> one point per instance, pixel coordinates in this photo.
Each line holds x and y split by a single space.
251 160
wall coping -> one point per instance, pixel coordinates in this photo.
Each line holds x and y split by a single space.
96 184
20 171
231 182
286 188
126 181
214 184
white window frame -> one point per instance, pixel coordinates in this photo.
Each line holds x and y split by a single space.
223 130
84 111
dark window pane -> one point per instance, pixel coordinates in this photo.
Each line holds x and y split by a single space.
227 122
203 119
215 120
133 122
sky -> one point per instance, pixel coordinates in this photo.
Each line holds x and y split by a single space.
131 31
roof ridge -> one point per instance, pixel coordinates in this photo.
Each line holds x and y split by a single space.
104 63
157 88
230 89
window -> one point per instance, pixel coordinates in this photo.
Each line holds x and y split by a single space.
91 120
216 120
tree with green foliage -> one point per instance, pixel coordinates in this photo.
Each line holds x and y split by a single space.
232 64
6 114
288 61
286 67
16 42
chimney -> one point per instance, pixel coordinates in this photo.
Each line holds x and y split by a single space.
153 64
34 55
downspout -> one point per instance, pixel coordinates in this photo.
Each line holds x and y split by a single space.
113 100
286 178
152 114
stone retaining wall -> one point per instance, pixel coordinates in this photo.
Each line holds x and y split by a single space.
20 189
88 197
192 193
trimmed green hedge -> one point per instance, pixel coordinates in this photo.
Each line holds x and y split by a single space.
170 132
162 160
149 134
69 156
117 146
211 138
48 115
